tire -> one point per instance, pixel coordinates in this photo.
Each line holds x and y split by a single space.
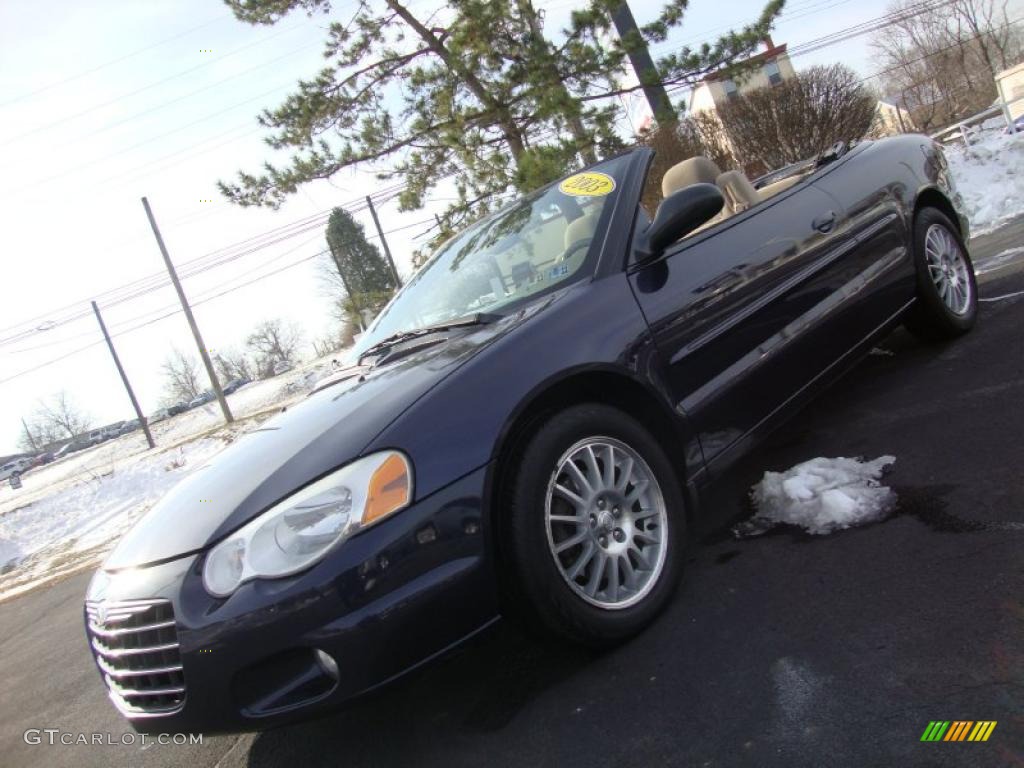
947 290
643 548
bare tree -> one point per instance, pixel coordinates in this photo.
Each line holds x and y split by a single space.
37 433
54 419
232 364
941 63
774 126
182 380
273 342
340 337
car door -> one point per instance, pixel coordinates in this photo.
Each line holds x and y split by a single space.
729 309
880 266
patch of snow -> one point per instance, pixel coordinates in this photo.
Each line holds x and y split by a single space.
84 519
69 513
823 495
10 554
990 177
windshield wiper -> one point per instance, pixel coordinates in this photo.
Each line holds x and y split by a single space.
477 318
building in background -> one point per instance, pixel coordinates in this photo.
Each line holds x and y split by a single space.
766 69
1010 84
892 117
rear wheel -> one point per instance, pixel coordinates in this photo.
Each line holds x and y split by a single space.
596 526
947 292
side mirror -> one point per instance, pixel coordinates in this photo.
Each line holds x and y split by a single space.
679 214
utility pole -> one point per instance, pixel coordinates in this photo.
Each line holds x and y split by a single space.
124 377
380 233
643 65
30 436
203 351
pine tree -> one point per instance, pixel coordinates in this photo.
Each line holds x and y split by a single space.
361 270
480 94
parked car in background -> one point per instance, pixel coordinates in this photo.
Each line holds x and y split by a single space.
129 426
15 467
236 384
43 458
64 450
159 415
202 399
177 408
112 430
282 366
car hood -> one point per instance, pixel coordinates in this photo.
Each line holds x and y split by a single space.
304 442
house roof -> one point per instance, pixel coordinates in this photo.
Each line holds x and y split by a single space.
769 54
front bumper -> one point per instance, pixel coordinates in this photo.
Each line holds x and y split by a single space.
387 600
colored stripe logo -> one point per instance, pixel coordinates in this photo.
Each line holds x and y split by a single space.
958 730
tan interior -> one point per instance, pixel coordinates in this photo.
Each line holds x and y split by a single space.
779 186
739 193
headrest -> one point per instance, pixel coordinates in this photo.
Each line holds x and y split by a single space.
582 228
739 193
696 170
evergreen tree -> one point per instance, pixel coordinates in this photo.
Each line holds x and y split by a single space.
476 92
361 270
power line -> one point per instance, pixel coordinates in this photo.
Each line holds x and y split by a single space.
189 268
67 118
110 63
133 328
189 95
937 51
809 9
150 140
833 38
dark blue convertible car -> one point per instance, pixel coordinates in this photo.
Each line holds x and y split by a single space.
529 426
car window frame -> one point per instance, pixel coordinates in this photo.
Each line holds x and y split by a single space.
691 240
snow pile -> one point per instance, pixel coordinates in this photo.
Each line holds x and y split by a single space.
76 524
824 495
10 555
990 177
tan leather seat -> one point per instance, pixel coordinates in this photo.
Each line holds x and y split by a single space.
696 170
579 230
739 193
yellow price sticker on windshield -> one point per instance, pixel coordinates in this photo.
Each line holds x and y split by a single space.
588 184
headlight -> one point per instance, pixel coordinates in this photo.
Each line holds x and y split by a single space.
297 532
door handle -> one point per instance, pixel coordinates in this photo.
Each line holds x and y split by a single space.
825 222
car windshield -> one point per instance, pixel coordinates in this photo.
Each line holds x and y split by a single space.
527 248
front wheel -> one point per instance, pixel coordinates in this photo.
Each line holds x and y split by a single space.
596 526
947 291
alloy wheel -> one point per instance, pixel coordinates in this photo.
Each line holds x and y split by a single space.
606 523
948 269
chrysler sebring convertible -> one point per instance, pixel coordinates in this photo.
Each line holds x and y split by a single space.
529 427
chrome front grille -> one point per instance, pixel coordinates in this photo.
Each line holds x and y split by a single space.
135 643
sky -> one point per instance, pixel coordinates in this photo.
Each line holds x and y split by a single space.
103 102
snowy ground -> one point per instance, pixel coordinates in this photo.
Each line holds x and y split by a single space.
990 177
68 514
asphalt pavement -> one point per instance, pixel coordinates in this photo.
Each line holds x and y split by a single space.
786 650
